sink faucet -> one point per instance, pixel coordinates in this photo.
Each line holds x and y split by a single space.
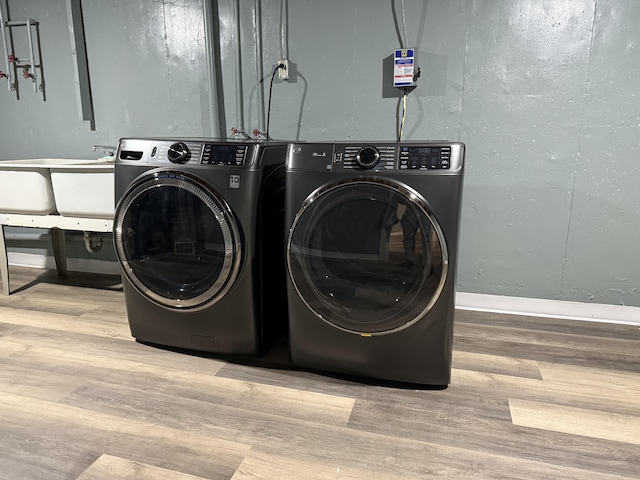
106 149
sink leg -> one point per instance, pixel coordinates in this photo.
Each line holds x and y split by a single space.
59 250
4 263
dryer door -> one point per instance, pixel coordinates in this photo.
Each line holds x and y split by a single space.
367 255
177 240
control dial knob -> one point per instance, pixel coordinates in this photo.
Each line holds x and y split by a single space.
368 157
178 152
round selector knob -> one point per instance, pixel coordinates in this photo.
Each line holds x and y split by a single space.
368 157
178 152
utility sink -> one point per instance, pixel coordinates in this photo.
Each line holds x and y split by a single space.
55 193
84 189
49 186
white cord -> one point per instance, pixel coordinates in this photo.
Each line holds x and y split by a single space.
404 115
404 97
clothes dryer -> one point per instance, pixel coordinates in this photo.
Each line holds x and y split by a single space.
199 234
371 257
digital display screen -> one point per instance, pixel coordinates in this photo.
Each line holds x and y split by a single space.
223 154
424 157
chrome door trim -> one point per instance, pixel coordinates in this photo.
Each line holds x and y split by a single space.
216 203
398 187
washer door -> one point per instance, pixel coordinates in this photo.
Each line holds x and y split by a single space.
367 256
177 240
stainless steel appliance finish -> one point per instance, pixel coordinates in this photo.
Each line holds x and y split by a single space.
371 257
199 235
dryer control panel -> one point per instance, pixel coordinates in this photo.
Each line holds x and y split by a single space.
424 157
427 157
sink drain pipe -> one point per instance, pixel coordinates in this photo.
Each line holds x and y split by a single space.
89 245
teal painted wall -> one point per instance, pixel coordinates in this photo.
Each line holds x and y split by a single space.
543 92
146 60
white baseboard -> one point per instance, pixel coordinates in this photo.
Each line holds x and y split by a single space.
73 264
537 307
533 307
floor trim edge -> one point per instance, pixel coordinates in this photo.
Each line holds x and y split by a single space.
538 307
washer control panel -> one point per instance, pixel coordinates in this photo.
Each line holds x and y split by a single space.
152 151
223 154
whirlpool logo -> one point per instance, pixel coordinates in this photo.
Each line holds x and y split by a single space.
316 154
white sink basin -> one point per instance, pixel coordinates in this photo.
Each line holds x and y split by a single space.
84 190
69 187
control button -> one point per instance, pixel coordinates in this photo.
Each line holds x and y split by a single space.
178 152
368 157
241 151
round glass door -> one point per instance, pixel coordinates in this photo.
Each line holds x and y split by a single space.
177 240
367 256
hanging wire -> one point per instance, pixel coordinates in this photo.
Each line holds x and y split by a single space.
404 25
284 29
404 115
404 97
273 76
257 35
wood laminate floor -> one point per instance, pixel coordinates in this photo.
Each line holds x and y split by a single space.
530 398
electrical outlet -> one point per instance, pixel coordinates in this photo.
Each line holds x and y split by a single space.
283 72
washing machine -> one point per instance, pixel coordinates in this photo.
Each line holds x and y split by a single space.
199 235
371 257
